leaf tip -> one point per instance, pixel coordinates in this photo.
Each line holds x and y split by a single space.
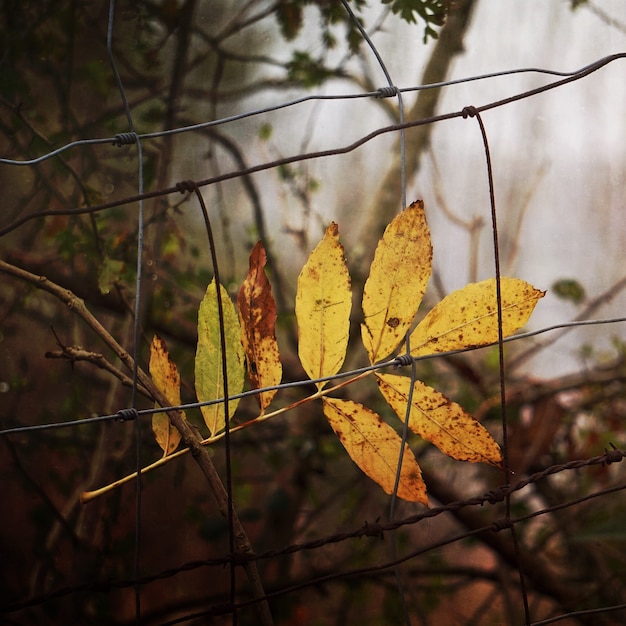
333 229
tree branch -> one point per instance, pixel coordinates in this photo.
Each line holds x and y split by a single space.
189 436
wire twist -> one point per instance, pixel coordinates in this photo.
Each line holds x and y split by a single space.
387 92
126 415
402 360
125 139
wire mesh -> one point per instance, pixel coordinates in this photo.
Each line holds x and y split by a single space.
501 520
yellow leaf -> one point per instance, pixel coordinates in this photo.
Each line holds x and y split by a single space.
167 379
209 378
323 303
469 317
375 447
440 421
397 281
257 314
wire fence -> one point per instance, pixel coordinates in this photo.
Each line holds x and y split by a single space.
502 516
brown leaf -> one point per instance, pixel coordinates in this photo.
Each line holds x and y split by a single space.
257 314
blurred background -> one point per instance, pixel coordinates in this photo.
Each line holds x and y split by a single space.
559 172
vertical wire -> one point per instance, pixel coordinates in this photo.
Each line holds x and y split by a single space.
405 426
394 495
220 314
398 94
473 112
136 324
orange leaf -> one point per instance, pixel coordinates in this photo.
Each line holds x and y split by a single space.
167 379
396 282
440 421
257 314
375 447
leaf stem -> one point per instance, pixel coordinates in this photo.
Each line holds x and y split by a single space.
89 496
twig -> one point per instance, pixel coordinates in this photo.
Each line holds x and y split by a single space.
76 353
88 496
189 436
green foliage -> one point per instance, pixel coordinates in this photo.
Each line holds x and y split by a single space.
290 17
305 69
432 12
569 289
265 132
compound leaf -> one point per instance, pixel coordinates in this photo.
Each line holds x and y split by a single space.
209 378
397 281
257 314
375 447
166 377
440 421
468 317
323 303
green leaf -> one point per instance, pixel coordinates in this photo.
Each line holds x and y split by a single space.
209 377
289 16
303 68
431 12
569 289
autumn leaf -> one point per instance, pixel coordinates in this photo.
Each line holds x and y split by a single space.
257 314
375 447
323 303
440 421
468 317
209 378
397 282
167 379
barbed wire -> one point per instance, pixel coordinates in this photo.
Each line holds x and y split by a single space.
373 530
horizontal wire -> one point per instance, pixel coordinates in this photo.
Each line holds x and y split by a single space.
374 530
314 155
400 361
313 97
